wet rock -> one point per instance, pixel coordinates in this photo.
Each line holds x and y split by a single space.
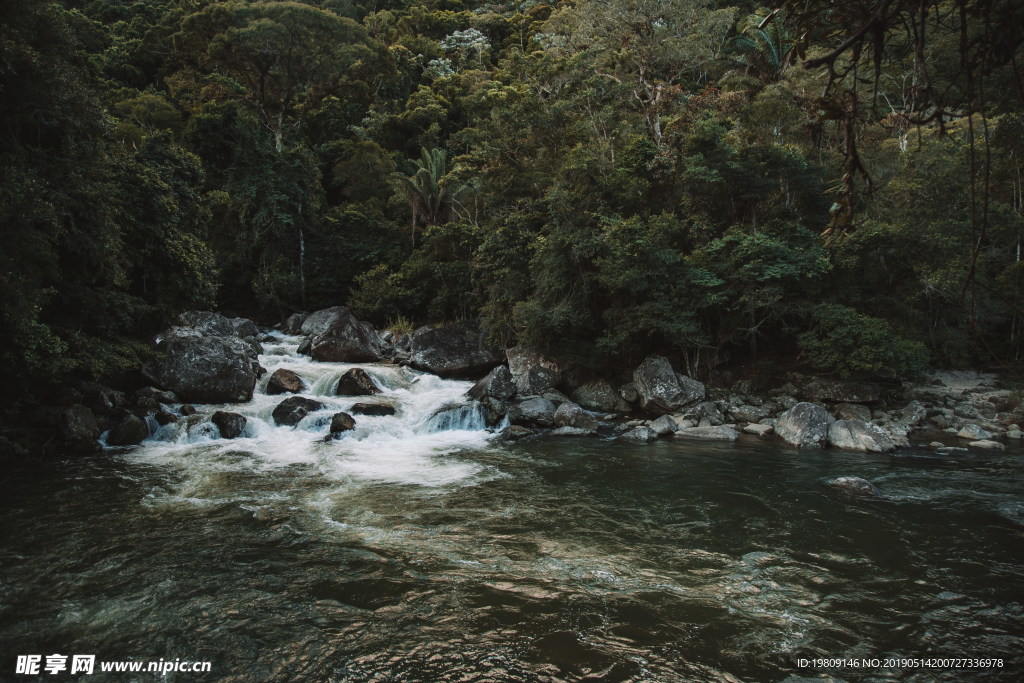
163 418
555 396
854 485
599 395
640 435
852 411
805 425
539 412
293 325
206 324
102 400
719 433
206 369
532 372
664 425
187 410
158 395
77 425
857 435
973 432
336 336
497 384
231 425
285 381
131 430
356 382
629 393
758 429
291 411
987 445
573 431
373 409
662 390
749 413
148 406
572 415
705 413
1014 434
913 413
303 349
342 422
515 433
460 350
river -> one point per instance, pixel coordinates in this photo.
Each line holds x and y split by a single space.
420 549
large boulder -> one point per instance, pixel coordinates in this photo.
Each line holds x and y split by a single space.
497 384
131 430
356 382
600 395
231 425
572 415
293 325
291 411
857 435
342 422
336 336
662 390
220 369
79 429
285 381
532 372
805 425
535 412
458 350
208 324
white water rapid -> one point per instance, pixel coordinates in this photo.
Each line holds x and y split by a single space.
432 420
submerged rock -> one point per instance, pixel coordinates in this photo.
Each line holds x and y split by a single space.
231 425
854 485
459 350
356 382
661 389
292 411
805 425
857 435
285 381
131 430
373 409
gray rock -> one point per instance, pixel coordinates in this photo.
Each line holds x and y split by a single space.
705 413
852 411
460 350
293 325
662 390
497 384
243 327
913 413
573 431
291 411
206 369
1014 434
599 395
854 485
719 433
532 372
758 429
805 425
304 346
77 425
640 435
555 396
838 391
515 433
538 412
209 324
629 393
338 337
748 413
664 425
356 382
973 432
166 397
857 435
342 422
231 425
373 409
987 445
572 415
285 381
131 430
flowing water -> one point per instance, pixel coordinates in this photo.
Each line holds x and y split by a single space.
417 548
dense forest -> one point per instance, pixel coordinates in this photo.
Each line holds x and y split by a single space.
835 184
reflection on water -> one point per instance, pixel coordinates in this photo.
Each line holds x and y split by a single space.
404 555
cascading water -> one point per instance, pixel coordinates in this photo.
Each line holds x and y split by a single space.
432 418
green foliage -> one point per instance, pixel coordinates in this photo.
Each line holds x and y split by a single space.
843 341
